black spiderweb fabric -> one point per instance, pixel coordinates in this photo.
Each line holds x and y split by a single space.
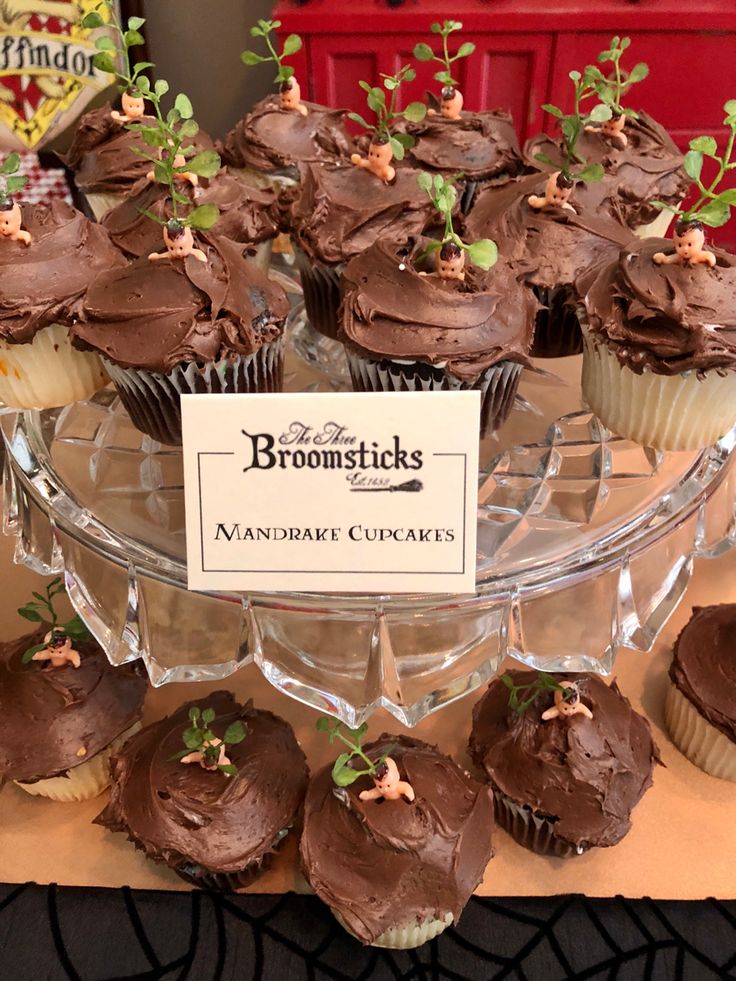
54 934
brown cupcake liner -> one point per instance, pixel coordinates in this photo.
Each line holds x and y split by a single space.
557 332
531 830
498 384
321 286
153 401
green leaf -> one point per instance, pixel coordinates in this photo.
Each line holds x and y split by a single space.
194 713
133 39
444 77
415 112
423 52
397 148
325 723
715 213
405 139
161 87
663 206
390 84
105 43
189 128
625 42
292 44
251 58
284 73
13 184
728 196
365 86
342 774
592 173
407 74
135 23
228 769
693 164
436 28
465 50
730 107
183 106
600 113
10 164
483 254
235 733
357 734
76 628
152 137
104 63
358 119
203 217
706 145
638 73
204 164
574 75
376 99
208 716
28 655
32 615
193 738
424 181
92 20
545 159
553 110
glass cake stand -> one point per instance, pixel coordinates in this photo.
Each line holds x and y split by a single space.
585 544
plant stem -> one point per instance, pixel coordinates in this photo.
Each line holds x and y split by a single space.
445 38
724 165
267 39
357 751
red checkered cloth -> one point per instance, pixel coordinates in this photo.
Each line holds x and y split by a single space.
43 185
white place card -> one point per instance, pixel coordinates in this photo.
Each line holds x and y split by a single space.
347 492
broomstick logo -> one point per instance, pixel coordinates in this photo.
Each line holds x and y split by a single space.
409 486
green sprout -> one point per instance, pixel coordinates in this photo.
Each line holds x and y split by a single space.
110 55
712 207
443 195
522 696
343 774
387 113
199 737
292 44
611 90
42 612
10 180
572 127
164 139
423 52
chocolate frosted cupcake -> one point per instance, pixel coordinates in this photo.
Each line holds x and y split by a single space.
567 756
339 212
648 168
46 267
405 330
65 708
700 710
248 214
660 344
396 855
104 160
183 326
548 248
210 791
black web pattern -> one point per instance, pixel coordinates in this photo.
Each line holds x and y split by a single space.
55 934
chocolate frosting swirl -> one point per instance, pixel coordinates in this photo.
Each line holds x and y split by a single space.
248 214
648 169
273 139
179 813
340 210
390 310
103 157
585 774
45 282
480 145
156 315
704 668
49 714
670 318
547 247
380 865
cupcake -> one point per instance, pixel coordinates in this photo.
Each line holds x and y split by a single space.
282 132
65 708
185 326
49 255
548 248
474 148
210 791
248 214
397 846
406 330
660 342
700 710
567 756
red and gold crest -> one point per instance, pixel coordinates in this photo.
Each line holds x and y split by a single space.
46 73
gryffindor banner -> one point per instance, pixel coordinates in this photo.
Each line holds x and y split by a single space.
46 73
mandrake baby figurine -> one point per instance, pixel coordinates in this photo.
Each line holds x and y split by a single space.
11 216
567 704
290 92
557 193
451 98
689 237
179 242
388 784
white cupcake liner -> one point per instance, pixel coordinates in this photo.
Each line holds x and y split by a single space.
406 936
668 412
699 740
48 372
497 384
531 830
556 326
262 178
153 401
81 782
656 228
321 286
100 203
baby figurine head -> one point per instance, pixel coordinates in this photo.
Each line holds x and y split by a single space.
559 190
134 106
179 240
290 94
615 125
10 217
451 261
689 239
451 102
380 153
386 777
